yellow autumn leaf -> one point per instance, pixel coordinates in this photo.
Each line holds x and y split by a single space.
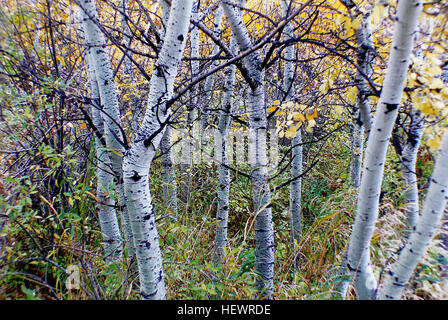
426 108
436 83
378 13
272 109
292 131
444 93
281 134
83 126
311 114
297 116
434 143
356 24
310 126
351 94
339 109
288 105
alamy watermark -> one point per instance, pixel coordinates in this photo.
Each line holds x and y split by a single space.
196 146
73 280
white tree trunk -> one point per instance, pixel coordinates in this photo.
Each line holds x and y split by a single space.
368 200
208 85
296 143
192 108
365 48
362 119
223 163
409 158
137 161
434 205
105 178
261 195
127 63
169 187
109 102
357 150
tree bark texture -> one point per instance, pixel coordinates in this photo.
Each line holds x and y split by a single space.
137 161
368 199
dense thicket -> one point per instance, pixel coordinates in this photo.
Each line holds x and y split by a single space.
168 149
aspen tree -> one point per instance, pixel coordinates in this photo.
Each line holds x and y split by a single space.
105 178
192 106
436 199
137 160
264 233
223 162
369 192
409 162
362 117
208 85
296 148
113 133
169 190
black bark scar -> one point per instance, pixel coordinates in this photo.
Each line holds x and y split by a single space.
136 176
391 107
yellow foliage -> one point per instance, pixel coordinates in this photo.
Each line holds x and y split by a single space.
311 125
297 116
434 142
356 24
311 114
378 13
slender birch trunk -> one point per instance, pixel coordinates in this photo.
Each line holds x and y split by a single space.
127 63
110 107
362 116
357 150
169 189
192 108
419 240
208 85
105 178
368 199
296 148
261 195
362 120
137 161
223 162
409 161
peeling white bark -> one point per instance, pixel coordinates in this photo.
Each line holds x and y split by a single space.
375 157
137 161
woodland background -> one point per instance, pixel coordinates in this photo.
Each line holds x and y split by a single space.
51 189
